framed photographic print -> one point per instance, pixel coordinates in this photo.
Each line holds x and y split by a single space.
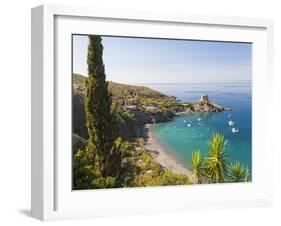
137 112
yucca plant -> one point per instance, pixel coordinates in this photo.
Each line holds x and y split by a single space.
217 159
197 166
247 175
237 172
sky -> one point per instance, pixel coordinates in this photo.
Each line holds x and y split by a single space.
144 61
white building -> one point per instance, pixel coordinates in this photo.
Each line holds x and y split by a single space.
204 98
130 104
131 107
151 108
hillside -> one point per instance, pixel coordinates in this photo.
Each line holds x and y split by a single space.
123 90
137 105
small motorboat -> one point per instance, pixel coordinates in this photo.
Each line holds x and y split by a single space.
235 130
188 125
231 123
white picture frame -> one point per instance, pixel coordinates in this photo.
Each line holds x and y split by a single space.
52 197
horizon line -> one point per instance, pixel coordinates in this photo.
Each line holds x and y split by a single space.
176 83
188 83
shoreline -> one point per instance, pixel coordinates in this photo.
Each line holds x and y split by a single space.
163 156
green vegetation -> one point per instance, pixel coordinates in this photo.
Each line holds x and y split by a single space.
103 144
102 159
215 167
197 166
216 161
152 174
78 142
108 146
238 172
130 120
139 95
138 169
86 174
99 164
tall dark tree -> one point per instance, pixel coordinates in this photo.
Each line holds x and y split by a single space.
102 124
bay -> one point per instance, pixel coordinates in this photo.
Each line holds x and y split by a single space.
190 132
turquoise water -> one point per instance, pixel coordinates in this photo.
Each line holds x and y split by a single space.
190 132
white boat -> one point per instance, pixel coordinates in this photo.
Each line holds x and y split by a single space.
231 123
235 130
188 125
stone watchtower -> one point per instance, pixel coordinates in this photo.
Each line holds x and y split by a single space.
204 98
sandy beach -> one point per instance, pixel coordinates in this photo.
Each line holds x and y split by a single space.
162 155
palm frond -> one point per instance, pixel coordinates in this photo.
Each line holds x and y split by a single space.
217 159
238 172
197 166
247 175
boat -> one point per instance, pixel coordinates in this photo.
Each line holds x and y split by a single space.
188 125
234 130
231 123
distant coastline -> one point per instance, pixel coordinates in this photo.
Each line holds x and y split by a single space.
162 122
141 108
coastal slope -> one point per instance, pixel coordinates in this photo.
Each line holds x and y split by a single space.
139 107
163 156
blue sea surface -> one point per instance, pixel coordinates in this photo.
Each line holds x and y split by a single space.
190 132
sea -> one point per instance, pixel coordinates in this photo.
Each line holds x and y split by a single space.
189 132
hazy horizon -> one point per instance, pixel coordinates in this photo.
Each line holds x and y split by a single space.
164 61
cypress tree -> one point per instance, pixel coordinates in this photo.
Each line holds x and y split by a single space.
103 145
